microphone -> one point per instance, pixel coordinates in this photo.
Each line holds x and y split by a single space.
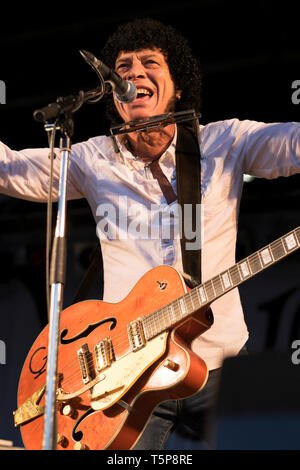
125 91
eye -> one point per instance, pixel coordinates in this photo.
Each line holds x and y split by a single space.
122 67
151 62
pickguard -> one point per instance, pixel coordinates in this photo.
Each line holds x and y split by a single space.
123 373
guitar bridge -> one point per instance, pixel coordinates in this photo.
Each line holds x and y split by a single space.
86 363
30 409
136 334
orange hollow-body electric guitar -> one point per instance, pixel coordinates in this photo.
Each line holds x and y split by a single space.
116 362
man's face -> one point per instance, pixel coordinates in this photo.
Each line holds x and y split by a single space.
149 71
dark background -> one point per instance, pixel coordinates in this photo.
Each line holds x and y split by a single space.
250 56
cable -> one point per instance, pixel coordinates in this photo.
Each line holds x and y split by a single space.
51 139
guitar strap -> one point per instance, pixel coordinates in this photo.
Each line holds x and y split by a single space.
188 173
94 271
188 177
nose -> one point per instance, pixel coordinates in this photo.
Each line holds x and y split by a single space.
136 70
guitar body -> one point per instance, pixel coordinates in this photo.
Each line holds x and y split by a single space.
110 408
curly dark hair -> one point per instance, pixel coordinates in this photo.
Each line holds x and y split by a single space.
146 33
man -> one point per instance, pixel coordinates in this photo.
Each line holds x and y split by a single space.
158 60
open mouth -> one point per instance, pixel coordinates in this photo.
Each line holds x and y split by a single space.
143 94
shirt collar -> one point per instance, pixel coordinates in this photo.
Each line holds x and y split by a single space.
167 156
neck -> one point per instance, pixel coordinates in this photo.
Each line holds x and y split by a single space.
150 145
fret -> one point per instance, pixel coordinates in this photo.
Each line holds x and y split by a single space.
183 308
277 249
202 294
266 256
157 321
213 288
191 295
149 326
172 314
177 309
226 280
255 264
165 319
217 284
244 269
189 302
162 325
157 324
209 290
290 242
197 290
196 298
235 275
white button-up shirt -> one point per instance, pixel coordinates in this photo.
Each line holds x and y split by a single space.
128 205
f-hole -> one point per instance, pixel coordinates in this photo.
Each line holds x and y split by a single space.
87 331
78 435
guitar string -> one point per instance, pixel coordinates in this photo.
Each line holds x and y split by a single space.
158 313
252 257
193 294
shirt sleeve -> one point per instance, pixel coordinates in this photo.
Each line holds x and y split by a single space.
25 174
267 150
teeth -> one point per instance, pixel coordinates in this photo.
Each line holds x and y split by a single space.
143 91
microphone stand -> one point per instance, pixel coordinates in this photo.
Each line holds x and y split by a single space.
57 281
62 113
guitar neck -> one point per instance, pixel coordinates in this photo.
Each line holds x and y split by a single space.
202 295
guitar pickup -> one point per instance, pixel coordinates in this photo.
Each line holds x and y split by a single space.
86 363
136 334
104 354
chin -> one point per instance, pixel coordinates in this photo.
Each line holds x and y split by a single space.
138 116
143 114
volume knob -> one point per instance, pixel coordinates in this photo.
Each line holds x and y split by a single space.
62 440
80 446
68 411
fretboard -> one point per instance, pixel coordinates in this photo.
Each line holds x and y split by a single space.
202 295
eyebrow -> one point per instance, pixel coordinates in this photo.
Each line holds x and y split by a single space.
127 58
